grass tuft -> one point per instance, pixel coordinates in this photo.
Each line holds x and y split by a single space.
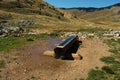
108 60
96 75
115 51
107 69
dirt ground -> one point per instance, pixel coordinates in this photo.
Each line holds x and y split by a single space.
32 65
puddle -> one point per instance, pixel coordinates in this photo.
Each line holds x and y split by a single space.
53 43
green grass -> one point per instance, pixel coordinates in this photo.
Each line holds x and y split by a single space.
115 67
112 70
109 60
113 61
112 43
8 43
108 70
115 51
96 75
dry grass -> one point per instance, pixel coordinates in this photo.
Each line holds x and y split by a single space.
107 18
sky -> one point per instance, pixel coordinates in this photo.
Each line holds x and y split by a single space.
81 3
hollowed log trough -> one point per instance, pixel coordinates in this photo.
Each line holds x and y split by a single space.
65 49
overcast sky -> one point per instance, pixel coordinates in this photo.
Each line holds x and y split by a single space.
82 3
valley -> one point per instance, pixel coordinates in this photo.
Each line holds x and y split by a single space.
28 28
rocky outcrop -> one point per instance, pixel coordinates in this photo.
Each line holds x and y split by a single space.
13 31
7 30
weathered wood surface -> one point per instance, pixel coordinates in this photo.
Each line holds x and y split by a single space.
65 49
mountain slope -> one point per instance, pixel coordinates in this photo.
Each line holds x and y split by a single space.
31 7
48 18
45 16
109 16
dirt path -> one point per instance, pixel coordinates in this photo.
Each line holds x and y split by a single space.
32 65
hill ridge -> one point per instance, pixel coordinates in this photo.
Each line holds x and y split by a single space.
91 9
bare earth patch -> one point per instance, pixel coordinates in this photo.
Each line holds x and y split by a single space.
32 65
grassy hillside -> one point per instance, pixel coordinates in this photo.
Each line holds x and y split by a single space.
106 16
30 7
47 18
